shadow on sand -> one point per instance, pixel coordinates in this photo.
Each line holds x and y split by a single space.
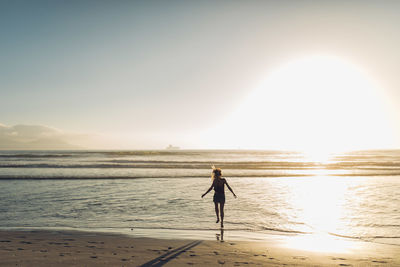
163 259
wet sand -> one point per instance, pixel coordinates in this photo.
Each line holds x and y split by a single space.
73 248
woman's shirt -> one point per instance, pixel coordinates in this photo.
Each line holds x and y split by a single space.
219 184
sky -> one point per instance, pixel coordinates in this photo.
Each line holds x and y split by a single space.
199 74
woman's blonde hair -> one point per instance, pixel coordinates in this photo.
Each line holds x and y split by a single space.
216 172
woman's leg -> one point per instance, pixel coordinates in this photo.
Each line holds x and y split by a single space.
216 211
222 213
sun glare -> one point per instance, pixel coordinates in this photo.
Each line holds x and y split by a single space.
317 104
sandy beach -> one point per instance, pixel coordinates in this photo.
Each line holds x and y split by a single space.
73 248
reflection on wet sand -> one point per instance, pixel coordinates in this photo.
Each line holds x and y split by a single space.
220 236
321 242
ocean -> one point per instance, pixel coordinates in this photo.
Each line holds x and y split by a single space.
158 193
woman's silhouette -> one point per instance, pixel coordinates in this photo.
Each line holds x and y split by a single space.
218 183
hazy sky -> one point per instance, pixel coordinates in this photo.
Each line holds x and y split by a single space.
143 74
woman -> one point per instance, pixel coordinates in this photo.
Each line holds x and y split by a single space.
219 195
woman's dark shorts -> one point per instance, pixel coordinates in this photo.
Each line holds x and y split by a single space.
219 198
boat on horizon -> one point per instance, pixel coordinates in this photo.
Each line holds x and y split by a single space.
171 147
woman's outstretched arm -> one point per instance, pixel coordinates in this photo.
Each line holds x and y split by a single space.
209 189
230 189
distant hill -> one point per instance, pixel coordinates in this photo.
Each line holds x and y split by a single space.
33 137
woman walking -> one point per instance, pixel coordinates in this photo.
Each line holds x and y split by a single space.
218 183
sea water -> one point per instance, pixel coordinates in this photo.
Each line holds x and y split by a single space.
156 193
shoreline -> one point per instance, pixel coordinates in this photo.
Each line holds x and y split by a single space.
205 234
169 233
78 248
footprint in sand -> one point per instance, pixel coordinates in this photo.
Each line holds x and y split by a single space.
344 264
5 241
20 248
192 255
341 259
57 243
93 257
299 257
124 259
216 253
376 261
221 262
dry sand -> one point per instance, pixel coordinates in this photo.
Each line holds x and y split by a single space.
69 248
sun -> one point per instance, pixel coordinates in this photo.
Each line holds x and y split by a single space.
317 104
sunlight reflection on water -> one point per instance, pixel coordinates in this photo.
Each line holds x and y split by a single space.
320 202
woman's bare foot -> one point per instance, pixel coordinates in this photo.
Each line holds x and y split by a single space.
217 220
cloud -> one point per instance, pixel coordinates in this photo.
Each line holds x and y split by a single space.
34 137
